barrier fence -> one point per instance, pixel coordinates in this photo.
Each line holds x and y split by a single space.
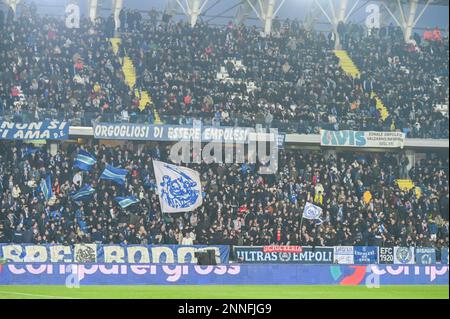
178 254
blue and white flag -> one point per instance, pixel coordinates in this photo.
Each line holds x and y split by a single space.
116 175
312 211
124 202
179 188
83 194
84 160
46 187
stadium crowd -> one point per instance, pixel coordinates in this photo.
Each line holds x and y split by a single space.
362 203
50 71
225 75
411 78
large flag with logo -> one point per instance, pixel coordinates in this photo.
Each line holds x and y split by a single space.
117 175
179 188
84 160
83 194
46 187
312 211
126 201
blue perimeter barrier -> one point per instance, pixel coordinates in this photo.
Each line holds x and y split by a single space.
233 274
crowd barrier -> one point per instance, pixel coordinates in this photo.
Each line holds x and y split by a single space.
98 253
358 255
179 254
75 275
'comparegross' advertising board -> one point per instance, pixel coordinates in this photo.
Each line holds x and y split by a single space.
76 275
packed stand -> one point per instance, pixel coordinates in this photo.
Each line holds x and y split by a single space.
48 71
361 201
291 80
410 78
235 76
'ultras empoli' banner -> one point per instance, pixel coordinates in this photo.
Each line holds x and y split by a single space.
362 139
76 275
95 253
284 254
45 130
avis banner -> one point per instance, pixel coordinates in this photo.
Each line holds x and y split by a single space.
362 139
96 253
76 275
45 130
284 254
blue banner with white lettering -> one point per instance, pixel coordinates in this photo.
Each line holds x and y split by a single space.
130 131
98 253
425 255
45 130
365 254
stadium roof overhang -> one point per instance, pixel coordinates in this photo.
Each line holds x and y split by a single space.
405 13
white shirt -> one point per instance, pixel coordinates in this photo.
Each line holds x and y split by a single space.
187 241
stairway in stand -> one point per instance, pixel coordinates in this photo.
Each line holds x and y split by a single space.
350 68
129 72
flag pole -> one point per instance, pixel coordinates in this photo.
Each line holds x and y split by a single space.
301 230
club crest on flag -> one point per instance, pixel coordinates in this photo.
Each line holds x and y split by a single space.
179 188
312 211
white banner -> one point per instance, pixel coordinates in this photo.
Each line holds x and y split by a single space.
312 211
403 255
362 139
343 255
179 188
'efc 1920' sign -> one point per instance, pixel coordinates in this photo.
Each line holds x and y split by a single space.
303 255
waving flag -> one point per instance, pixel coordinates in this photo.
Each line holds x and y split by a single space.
179 188
83 194
312 211
46 187
29 150
84 160
126 201
116 175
